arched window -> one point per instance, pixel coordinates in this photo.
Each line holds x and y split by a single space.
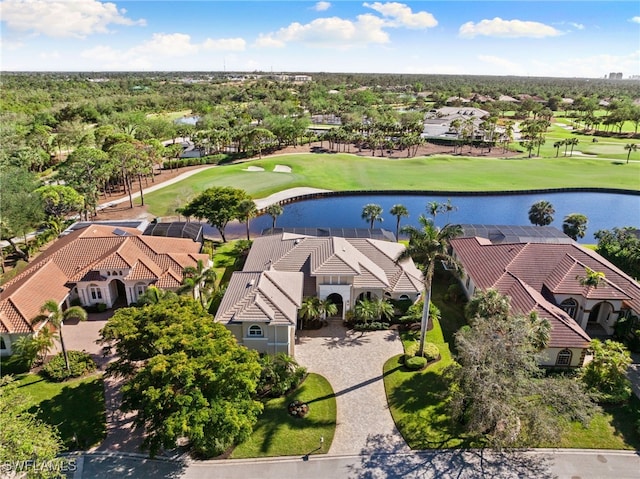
564 358
94 292
570 306
3 345
404 297
255 331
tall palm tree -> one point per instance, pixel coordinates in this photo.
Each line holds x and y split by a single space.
247 210
630 147
541 213
274 211
309 309
398 211
372 213
198 281
557 146
573 142
50 312
427 245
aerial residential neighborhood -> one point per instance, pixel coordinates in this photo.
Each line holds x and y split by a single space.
319 239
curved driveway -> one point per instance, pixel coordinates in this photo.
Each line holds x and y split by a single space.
352 362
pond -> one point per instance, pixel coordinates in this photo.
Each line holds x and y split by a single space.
603 210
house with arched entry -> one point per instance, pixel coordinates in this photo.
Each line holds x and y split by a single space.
260 306
94 265
546 275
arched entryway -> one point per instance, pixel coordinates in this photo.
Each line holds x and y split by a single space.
118 293
336 299
600 313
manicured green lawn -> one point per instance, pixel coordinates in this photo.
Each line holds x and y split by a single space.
224 260
74 407
343 172
279 434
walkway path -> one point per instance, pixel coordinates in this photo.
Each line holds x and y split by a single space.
352 362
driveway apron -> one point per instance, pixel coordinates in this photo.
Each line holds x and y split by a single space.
352 362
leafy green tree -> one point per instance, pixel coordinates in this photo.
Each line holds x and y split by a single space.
218 205
621 246
372 213
309 310
591 278
21 208
606 374
185 376
427 245
541 213
199 281
51 313
498 394
154 295
23 437
274 211
399 211
33 348
280 373
60 200
575 225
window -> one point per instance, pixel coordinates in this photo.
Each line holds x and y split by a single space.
564 358
115 273
3 345
403 297
468 282
255 331
95 292
140 289
570 306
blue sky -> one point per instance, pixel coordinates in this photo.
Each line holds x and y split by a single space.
524 38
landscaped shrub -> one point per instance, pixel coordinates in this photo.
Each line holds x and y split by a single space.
280 374
373 326
80 363
414 313
431 352
415 363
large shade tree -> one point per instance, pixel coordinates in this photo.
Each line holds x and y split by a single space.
428 245
498 393
186 377
218 205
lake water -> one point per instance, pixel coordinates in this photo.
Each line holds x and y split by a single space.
603 210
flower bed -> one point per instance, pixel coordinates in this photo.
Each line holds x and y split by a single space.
298 409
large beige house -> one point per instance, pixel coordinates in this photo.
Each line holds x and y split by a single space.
96 264
545 277
260 306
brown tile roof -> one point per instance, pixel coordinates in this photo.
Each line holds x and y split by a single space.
79 256
539 267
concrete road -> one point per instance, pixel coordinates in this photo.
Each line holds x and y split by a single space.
536 464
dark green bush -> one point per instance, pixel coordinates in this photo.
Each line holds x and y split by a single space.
415 363
280 374
80 363
372 326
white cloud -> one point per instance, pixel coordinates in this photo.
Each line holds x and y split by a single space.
502 65
329 32
322 6
401 15
507 29
159 47
577 26
635 19
63 18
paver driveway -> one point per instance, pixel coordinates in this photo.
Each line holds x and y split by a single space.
352 362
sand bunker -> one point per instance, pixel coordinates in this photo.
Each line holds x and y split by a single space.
282 169
254 168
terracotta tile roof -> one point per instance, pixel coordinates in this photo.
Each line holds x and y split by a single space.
80 256
539 268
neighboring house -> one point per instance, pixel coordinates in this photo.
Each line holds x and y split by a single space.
96 264
260 306
544 276
437 123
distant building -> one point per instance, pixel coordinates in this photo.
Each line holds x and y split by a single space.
615 76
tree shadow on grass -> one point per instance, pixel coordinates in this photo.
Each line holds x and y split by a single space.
383 457
624 420
78 413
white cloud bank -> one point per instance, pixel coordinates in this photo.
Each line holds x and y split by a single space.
63 18
401 15
507 29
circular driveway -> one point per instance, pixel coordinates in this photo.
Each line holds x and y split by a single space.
352 362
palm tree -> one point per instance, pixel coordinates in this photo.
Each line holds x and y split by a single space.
573 142
198 281
592 278
575 225
326 308
274 211
630 147
383 308
247 210
541 213
364 311
557 146
309 309
426 246
371 213
50 312
398 211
